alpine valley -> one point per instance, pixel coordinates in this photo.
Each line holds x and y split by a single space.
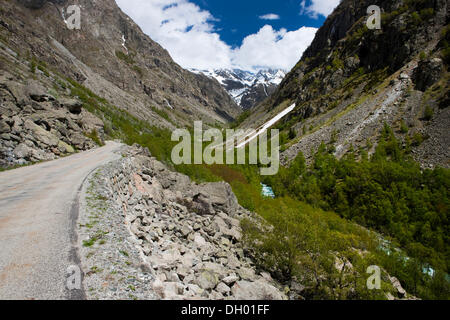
359 209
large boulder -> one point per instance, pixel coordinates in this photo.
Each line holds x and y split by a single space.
65 148
397 286
74 106
210 198
18 91
22 151
36 91
90 122
40 134
4 127
207 280
258 290
427 73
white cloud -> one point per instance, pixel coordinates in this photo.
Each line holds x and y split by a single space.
188 33
319 7
270 48
270 16
182 28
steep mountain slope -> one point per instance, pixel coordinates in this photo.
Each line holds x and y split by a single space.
352 80
247 88
111 56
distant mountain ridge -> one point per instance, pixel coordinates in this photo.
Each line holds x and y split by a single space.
245 87
113 57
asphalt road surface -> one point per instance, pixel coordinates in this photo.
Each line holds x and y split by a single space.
38 214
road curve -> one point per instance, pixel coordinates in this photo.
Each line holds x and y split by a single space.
38 213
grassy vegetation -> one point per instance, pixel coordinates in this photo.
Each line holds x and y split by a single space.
125 57
93 135
242 117
388 193
97 237
444 44
162 114
403 127
428 114
315 219
119 124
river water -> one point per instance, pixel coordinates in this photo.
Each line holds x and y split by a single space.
267 191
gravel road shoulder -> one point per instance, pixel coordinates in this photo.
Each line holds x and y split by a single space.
110 259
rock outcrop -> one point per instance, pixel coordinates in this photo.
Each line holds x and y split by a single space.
36 126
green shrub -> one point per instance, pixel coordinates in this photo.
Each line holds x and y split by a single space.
161 113
428 114
422 56
93 135
337 64
138 71
43 70
415 18
446 55
33 65
124 57
403 127
426 14
417 139
389 193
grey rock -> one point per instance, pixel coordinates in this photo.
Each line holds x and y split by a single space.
40 155
247 274
201 204
230 280
258 290
74 106
22 151
397 286
40 134
207 280
185 231
5 136
427 73
196 290
4 127
221 196
36 91
223 288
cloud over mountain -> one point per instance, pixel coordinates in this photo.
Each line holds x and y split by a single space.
189 34
318 7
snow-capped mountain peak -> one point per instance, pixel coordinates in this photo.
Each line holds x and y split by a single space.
246 88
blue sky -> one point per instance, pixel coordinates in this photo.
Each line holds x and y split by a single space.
238 18
245 34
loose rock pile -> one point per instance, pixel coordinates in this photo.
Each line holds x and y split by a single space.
189 234
36 126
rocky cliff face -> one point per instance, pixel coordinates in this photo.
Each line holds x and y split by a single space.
111 56
352 80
